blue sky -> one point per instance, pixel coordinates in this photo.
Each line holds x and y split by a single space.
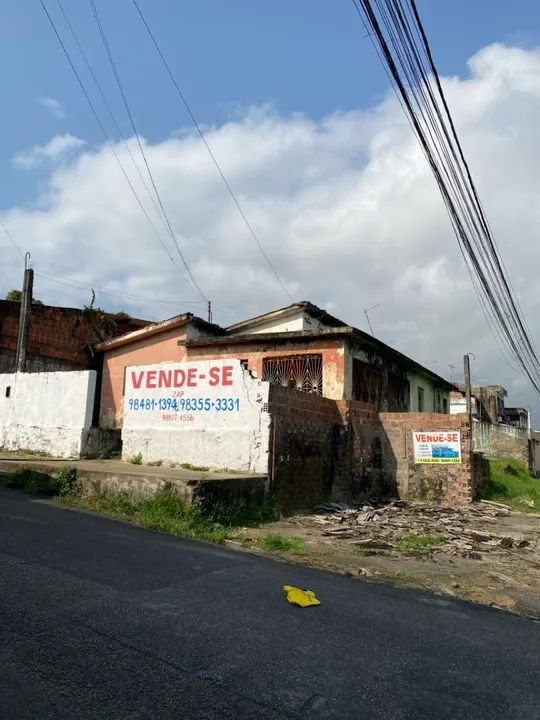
305 56
298 109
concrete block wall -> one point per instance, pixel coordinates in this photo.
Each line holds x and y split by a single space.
499 440
46 412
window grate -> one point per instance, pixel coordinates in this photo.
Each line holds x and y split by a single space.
303 372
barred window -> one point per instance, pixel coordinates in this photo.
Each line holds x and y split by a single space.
303 372
366 382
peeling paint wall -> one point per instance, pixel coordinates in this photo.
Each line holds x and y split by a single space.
161 348
209 413
332 351
46 412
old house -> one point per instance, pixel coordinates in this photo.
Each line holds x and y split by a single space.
300 346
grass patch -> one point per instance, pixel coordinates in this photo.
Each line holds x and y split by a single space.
197 468
23 452
511 483
283 543
30 481
165 511
136 459
250 516
412 543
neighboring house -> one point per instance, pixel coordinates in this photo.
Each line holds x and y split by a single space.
487 402
60 338
299 346
518 417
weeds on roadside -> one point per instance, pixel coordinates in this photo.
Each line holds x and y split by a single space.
412 543
283 543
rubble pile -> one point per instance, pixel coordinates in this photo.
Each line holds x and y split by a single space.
386 528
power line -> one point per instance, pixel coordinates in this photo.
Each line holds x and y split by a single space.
404 50
210 152
132 122
108 108
10 236
108 141
69 282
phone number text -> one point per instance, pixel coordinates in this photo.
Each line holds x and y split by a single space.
191 404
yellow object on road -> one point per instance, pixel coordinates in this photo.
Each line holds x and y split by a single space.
303 598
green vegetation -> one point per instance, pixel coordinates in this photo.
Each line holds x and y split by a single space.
29 481
412 543
136 459
283 543
16 296
198 468
165 511
23 452
511 483
66 480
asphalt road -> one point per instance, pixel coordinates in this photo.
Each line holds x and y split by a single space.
102 620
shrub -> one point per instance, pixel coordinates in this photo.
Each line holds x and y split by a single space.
66 480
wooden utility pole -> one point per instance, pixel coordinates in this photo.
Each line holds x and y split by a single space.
24 317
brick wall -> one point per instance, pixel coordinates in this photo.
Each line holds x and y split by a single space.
58 337
444 483
305 440
345 451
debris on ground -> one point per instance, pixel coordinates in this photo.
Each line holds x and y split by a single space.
421 528
303 598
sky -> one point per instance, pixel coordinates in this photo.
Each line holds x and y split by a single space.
299 113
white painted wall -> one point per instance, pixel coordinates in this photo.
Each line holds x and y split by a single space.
46 412
295 322
236 437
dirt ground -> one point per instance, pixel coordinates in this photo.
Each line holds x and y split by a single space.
485 553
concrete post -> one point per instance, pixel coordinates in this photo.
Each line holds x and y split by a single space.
24 320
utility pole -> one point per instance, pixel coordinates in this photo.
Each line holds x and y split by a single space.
366 311
468 398
24 316
209 311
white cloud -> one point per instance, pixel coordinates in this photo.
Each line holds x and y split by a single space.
53 151
346 208
53 106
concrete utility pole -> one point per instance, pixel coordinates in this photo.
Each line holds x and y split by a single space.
24 316
468 398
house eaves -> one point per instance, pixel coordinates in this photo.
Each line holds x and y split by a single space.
309 336
316 312
157 328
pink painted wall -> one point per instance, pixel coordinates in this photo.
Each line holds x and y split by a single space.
157 348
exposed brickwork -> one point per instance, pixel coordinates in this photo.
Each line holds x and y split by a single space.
58 337
305 438
445 483
346 451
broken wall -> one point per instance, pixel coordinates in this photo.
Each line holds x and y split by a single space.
449 483
210 413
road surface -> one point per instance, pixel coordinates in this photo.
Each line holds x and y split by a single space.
103 620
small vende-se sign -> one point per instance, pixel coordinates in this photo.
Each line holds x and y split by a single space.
437 446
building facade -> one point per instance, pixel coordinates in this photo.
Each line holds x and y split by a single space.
300 346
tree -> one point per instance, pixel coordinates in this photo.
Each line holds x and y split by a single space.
16 295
